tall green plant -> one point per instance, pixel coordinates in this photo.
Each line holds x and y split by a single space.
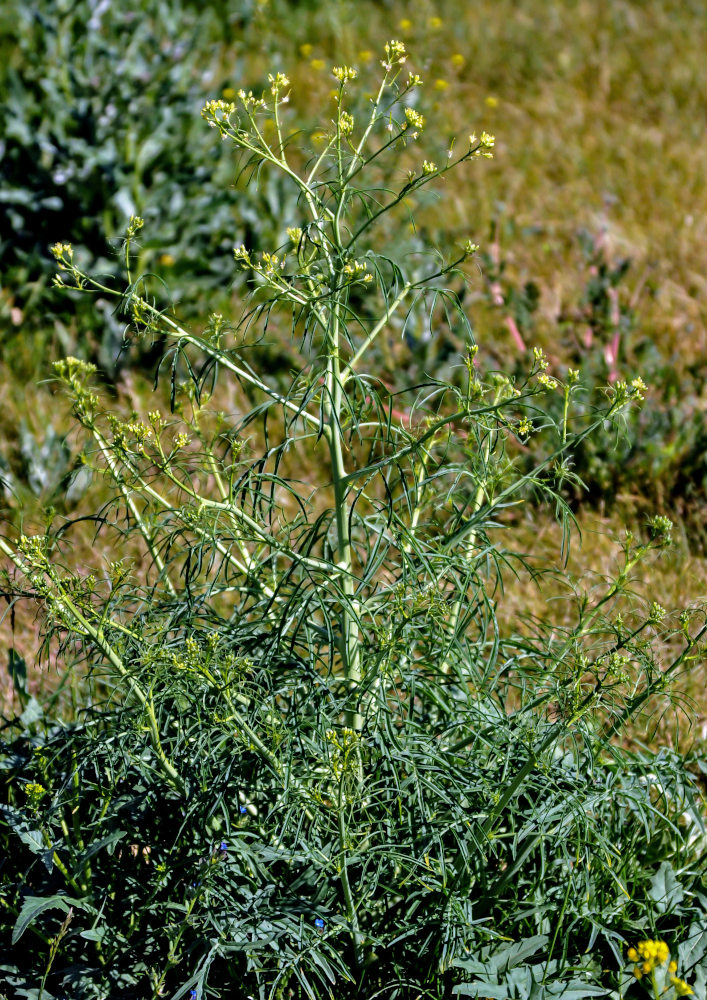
311 763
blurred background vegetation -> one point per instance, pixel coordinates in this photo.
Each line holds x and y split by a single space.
591 220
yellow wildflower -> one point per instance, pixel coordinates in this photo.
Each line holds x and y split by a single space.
34 791
650 954
441 84
278 83
306 50
414 118
434 23
344 73
346 123
317 64
680 986
457 60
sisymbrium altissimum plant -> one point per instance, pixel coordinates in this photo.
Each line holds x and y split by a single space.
311 762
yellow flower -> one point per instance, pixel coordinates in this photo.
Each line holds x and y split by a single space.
344 73
405 24
680 986
365 55
346 123
649 953
229 93
434 23
34 791
166 260
457 60
673 967
306 50
441 84
414 118
317 64
491 101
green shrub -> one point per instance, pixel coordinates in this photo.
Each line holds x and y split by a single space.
98 123
308 762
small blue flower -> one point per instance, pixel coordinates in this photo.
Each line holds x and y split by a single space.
319 924
192 994
243 810
224 847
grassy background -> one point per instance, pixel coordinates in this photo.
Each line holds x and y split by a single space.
591 219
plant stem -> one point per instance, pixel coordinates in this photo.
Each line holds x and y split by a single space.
350 653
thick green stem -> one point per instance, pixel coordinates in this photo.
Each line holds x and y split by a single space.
332 430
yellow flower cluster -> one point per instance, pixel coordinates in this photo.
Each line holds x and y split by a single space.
34 791
278 83
356 271
650 955
394 54
681 987
212 109
346 123
242 255
481 147
540 359
344 73
414 118
60 250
